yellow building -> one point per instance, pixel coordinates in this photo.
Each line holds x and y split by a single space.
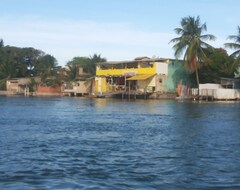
139 76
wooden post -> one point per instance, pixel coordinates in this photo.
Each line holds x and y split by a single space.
135 95
129 90
145 93
26 91
125 88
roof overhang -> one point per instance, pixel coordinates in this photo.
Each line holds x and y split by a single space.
141 77
133 61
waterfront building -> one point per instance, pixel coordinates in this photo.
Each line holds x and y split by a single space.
77 88
17 85
30 86
80 85
141 76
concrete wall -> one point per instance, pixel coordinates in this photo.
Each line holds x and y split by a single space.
83 87
209 86
218 92
227 94
12 86
49 90
101 84
162 68
160 83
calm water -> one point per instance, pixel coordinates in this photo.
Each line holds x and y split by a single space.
76 143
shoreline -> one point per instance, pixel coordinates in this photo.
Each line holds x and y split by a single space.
162 96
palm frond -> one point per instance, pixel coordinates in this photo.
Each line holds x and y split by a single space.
205 45
236 53
179 30
175 40
236 45
234 38
201 55
232 45
204 27
207 37
179 49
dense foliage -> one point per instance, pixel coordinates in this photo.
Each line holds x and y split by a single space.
235 45
88 64
18 62
201 59
219 64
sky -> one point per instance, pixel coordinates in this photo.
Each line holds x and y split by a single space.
116 29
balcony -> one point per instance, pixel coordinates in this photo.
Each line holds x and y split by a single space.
125 72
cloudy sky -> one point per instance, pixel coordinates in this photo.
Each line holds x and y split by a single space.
116 29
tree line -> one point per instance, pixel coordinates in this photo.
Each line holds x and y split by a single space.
200 59
18 62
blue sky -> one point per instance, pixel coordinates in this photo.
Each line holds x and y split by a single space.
116 29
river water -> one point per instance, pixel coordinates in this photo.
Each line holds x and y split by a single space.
78 143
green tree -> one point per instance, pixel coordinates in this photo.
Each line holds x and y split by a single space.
93 60
24 62
29 58
235 46
191 43
1 43
74 65
7 71
88 64
219 64
46 69
72 72
8 67
24 59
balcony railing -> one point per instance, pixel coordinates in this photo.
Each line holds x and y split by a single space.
128 71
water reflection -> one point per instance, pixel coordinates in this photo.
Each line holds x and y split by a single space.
80 143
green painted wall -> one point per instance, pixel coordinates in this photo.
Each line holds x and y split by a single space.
176 74
238 73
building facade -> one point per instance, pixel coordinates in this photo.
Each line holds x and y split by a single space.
140 76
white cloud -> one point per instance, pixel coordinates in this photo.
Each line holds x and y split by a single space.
66 39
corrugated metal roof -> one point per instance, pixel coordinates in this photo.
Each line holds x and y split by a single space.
133 61
141 77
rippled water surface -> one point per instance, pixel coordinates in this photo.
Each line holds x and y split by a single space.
77 143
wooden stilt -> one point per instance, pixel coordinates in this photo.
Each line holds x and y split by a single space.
129 90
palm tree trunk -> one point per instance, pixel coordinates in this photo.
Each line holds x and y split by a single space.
196 70
91 86
197 79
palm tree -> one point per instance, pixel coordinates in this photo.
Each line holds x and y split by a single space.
72 72
93 60
88 64
1 43
190 42
236 46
